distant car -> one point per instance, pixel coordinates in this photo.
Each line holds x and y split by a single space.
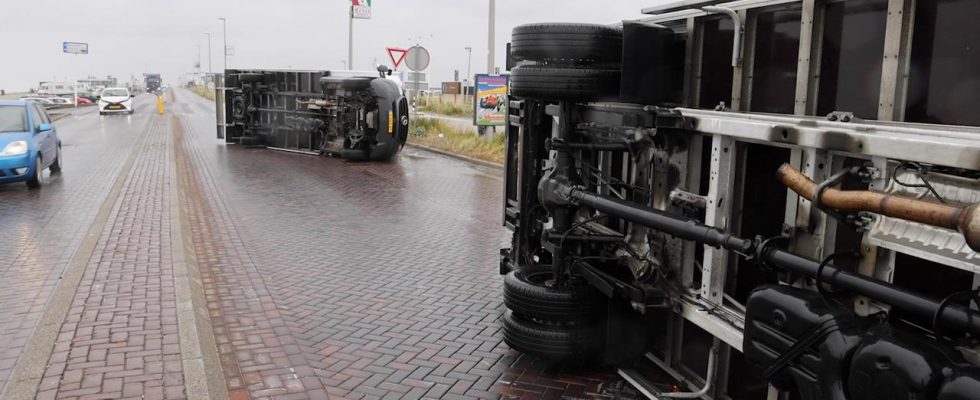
29 143
59 101
43 101
83 101
115 100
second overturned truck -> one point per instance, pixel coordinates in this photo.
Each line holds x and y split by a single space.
352 115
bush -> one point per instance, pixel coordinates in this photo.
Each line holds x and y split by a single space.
203 91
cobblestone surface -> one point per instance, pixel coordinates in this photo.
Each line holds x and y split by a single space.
40 229
323 279
120 337
384 275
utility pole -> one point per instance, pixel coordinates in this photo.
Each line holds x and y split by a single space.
469 60
210 70
490 46
350 39
224 38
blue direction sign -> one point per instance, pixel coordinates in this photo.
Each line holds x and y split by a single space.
75 48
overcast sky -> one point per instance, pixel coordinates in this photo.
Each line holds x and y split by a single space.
130 37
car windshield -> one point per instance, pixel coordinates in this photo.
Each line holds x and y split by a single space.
13 119
114 93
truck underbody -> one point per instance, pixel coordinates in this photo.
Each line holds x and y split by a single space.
757 248
356 116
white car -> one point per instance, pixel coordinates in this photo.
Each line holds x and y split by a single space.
115 100
60 101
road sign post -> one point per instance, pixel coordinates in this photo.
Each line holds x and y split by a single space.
74 48
417 59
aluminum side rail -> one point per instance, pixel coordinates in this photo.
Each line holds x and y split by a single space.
933 144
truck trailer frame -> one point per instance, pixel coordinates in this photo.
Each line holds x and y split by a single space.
700 197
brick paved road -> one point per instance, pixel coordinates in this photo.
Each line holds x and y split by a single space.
318 278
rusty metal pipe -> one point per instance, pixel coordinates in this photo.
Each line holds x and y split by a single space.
966 220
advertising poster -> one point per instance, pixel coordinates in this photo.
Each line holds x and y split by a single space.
491 100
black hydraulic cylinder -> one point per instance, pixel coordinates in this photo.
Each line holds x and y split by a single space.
954 316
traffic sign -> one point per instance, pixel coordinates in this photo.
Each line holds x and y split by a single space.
74 48
361 9
396 55
417 58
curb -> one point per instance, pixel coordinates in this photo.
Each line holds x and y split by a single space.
203 372
471 160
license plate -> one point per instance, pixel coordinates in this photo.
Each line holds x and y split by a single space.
115 107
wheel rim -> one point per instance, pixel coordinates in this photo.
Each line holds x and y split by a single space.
38 170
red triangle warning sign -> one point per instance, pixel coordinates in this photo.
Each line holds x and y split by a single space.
397 55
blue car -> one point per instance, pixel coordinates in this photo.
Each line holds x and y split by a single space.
29 143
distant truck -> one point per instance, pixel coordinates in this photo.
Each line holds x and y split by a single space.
153 82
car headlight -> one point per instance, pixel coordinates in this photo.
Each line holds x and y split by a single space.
15 148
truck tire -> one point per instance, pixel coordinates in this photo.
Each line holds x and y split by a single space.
250 77
528 294
567 44
576 84
563 343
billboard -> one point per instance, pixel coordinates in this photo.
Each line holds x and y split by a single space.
490 102
452 88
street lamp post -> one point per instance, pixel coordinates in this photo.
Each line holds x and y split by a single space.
224 38
490 44
210 70
469 61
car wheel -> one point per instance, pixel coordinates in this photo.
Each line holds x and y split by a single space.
37 177
531 294
567 44
561 343
56 165
575 84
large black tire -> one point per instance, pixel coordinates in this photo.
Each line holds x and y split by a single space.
581 44
564 343
530 294
576 84
251 77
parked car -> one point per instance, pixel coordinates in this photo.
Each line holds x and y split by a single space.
115 100
59 101
83 101
44 102
29 143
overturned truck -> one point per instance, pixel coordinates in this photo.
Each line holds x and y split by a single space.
352 115
751 200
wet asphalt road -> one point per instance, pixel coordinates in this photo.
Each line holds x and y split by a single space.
322 278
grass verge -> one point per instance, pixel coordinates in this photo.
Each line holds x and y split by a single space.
450 109
427 131
203 91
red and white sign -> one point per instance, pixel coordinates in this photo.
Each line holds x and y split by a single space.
361 9
396 55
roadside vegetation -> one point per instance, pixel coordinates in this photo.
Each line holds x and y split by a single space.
442 135
448 109
203 91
